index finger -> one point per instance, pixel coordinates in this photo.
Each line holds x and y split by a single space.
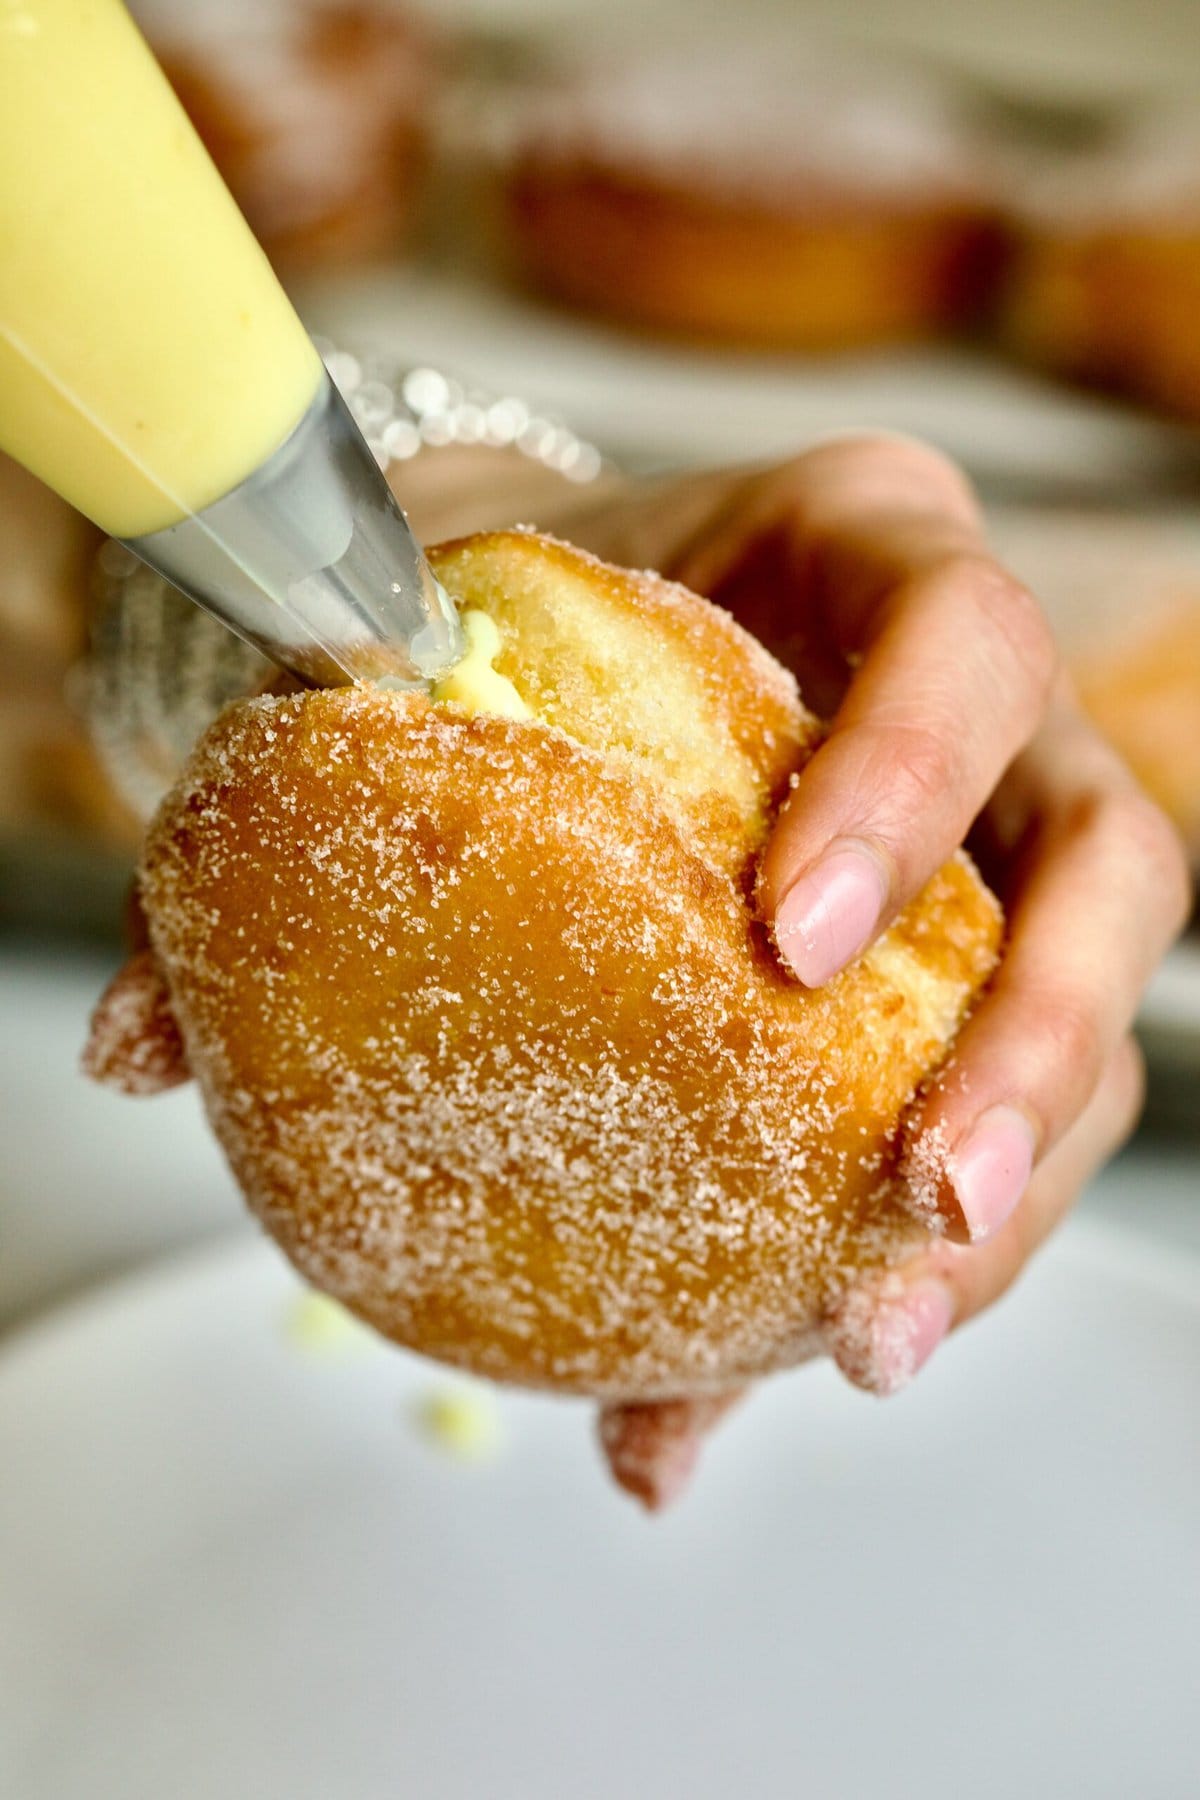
954 669
852 517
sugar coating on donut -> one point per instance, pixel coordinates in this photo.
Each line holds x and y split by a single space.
488 1032
790 124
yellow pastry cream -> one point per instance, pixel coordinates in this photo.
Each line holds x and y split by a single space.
322 1327
462 1423
474 685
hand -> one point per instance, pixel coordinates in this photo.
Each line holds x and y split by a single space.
864 564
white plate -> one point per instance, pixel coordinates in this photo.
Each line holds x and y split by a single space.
233 1570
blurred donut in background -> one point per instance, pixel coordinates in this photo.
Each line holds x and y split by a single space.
316 112
50 779
762 196
1147 700
1123 595
1105 279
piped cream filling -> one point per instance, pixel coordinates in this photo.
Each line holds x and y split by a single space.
474 685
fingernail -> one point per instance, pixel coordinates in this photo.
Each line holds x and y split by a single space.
990 1170
830 914
652 1450
881 1340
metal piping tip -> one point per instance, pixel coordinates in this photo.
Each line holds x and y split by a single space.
311 560
441 644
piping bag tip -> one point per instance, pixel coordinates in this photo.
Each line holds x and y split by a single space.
440 644
312 561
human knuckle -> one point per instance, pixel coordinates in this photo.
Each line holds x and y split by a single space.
1131 819
985 1272
788 477
1063 1023
1125 1088
860 450
1026 1230
892 462
1010 612
941 474
918 766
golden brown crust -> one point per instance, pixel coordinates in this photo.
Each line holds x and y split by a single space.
1115 307
488 1031
1121 589
1105 280
1146 698
761 192
856 271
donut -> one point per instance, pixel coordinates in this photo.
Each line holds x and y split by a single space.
1104 281
787 201
485 1020
1122 592
1147 701
316 113
52 787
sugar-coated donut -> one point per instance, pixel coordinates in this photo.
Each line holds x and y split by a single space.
52 787
1121 589
484 1019
1104 285
760 196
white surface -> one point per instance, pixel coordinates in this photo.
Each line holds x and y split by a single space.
659 403
232 1569
89 1181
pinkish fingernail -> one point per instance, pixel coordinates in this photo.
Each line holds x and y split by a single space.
830 914
907 1332
884 1336
880 1340
990 1170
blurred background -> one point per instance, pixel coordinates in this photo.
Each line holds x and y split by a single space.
539 241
